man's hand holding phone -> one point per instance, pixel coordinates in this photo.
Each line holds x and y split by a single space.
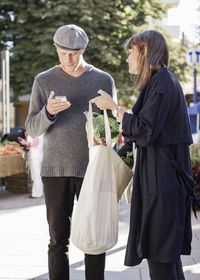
57 104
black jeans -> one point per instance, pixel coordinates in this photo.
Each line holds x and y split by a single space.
166 271
59 198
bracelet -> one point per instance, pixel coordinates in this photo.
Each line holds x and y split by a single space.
115 112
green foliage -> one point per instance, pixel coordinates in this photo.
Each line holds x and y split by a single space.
27 28
178 51
129 159
195 155
195 162
99 127
23 25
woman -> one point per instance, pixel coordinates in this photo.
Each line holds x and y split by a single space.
160 219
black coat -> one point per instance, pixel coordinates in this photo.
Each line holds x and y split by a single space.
160 219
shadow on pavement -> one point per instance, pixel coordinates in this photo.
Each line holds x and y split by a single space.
9 200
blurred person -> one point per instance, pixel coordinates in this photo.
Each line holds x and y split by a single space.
160 218
65 143
15 134
34 156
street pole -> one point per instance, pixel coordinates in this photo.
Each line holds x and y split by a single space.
195 86
5 92
193 59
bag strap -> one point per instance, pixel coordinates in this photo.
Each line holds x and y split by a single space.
175 163
91 128
134 156
188 180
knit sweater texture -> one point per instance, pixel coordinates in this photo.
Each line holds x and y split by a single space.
65 143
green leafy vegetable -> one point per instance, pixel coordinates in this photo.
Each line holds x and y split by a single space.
99 127
128 159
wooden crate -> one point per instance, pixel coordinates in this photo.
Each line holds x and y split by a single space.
11 164
19 183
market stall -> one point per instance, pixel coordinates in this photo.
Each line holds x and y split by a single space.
12 168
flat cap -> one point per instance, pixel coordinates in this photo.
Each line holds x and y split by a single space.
71 37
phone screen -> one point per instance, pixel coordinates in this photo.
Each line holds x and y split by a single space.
61 98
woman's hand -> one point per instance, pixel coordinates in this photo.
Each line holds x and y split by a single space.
104 101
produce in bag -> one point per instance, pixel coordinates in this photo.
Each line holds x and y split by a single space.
99 127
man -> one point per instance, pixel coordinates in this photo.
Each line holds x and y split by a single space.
65 144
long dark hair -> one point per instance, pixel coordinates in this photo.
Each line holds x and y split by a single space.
153 54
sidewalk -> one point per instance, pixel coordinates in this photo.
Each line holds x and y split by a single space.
24 241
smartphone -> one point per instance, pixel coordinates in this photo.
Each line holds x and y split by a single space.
61 98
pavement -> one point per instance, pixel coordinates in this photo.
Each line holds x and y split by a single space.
24 240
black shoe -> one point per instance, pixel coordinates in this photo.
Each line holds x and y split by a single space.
33 197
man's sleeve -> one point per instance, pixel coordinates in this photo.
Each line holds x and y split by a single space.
37 121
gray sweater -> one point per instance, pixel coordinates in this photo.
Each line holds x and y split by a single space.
65 142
